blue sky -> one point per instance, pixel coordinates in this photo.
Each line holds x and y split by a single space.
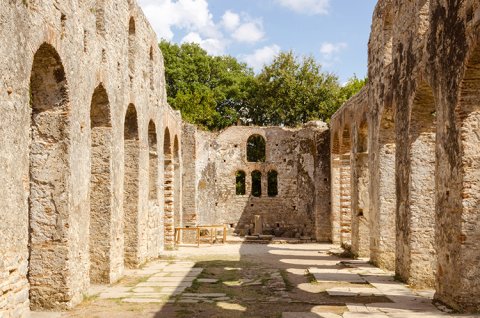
336 32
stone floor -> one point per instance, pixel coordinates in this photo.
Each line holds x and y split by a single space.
250 280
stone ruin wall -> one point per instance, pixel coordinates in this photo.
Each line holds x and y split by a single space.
422 111
68 74
299 156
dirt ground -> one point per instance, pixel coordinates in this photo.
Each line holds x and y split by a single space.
251 280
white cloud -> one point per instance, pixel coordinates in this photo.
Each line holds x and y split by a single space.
249 32
191 15
330 52
329 49
230 20
261 57
211 45
310 7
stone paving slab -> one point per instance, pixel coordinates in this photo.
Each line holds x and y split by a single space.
144 300
165 284
207 280
309 315
354 292
335 275
365 315
171 279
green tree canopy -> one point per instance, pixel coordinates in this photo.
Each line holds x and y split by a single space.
207 90
218 91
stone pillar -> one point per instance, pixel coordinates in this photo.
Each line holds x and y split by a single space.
258 225
335 199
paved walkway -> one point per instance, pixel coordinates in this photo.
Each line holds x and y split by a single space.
245 280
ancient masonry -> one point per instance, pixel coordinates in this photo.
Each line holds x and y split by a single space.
97 170
405 151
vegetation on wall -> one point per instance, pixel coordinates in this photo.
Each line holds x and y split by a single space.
215 92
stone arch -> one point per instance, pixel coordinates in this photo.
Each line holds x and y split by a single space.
345 188
458 195
49 170
416 261
382 190
131 47
130 187
100 186
360 197
169 179
335 185
153 162
256 148
177 182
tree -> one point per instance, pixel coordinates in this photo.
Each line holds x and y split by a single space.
209 91
217 92
291 91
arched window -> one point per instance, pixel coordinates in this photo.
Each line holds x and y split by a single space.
256 149
272 183
256 183
240 183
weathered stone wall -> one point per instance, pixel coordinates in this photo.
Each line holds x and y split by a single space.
299 156
350 203
62 173
423 147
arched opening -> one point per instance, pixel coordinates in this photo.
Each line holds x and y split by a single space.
49 169
256 149
169 222
153 162
458 194
335 187
100 186
130 186
360 198
345 189
420 209
131 47
382 190
177 182
256 183
240 183
272 183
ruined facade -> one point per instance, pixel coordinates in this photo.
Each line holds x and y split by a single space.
405 150
97 170
289 186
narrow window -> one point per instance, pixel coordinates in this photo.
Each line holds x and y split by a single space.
272 183
256 183
240 183
256 149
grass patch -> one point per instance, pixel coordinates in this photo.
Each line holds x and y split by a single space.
311 278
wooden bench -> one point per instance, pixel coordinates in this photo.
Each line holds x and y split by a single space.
211 236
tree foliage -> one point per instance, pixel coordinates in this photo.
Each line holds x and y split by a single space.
216 92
